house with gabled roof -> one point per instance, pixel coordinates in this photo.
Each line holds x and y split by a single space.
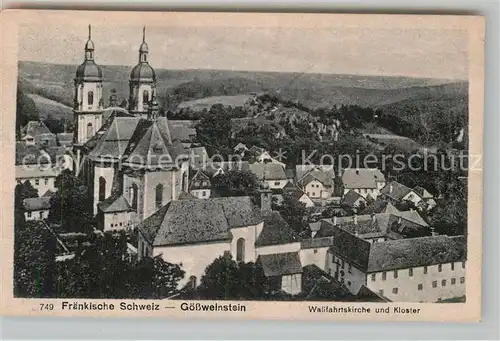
272 173
365 181
353 199
114 214
395 193
200 185
317 181
37 208
427 197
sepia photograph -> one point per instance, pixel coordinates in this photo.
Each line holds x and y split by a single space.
229 160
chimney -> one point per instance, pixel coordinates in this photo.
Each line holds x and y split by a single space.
355 219
433 232
390 188
335 220
265 198
373 217
399 220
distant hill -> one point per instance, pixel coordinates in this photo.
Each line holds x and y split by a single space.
176 86
429 107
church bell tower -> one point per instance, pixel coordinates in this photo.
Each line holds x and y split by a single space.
142 82
88 102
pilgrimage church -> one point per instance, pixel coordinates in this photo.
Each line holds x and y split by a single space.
137 172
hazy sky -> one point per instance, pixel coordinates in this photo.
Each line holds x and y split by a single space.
406 52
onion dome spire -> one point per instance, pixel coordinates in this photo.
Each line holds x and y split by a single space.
89 70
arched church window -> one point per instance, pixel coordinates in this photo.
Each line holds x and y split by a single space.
90 97
102 188
90 130
240 250
184 181
133 196
145 96
159 196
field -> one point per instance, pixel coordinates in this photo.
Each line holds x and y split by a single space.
207 102
50 107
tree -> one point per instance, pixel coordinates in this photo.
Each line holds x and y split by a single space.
293 212
56 126
71 204
156 278
235 183
34 260
102 271
26 109
214 130
221 279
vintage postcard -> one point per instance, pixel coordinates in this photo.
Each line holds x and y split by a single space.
242 165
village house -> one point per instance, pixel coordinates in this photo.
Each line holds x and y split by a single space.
35 166
353 200
364 181
37 208
200 185
216 168
302 197
260 155
396 193
372 228
379 206
114 213
194 232
272 173
424 269
426 197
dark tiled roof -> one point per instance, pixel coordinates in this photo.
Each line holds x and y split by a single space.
30 155
313 243
186 196
398 254
395 190
422 192
143 141
197 221
48 193
366 295
321 286
362 178
56 153
415 252
351 197
115 203
302 170
37 204
380 206
268 171
326 178
281 264
35 128
276 231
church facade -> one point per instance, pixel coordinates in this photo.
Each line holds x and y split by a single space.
131 161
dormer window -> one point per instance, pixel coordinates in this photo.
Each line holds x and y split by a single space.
157 149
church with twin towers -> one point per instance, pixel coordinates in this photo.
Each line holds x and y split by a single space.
130 159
